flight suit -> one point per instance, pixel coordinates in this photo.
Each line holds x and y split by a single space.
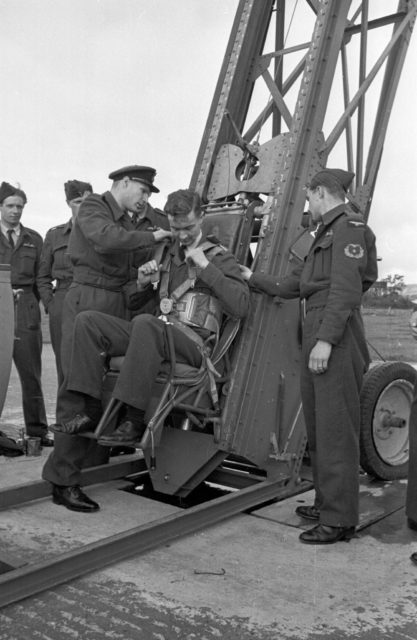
55 267
102 246
340 266
27 352
144 342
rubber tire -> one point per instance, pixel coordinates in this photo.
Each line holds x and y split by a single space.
374 383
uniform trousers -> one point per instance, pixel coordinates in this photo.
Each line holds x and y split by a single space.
411 500
27 356
331 406
144 343
73 453
55 308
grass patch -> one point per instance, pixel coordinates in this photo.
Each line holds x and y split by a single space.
388 331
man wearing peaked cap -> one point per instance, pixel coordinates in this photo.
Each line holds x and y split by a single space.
340 266
55 269
21 247
146 175
103 249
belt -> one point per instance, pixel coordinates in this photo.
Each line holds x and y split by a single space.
316 300
116 288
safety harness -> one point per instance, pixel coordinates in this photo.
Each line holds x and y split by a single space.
185 309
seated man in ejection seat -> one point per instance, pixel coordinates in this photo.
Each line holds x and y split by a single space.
200 280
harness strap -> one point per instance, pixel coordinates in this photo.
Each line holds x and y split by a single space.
159 252
202 347
211 250
208 247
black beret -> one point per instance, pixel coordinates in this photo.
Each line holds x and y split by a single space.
7 190
135 172
76 189
332 177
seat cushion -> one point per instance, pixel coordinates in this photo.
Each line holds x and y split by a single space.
182 370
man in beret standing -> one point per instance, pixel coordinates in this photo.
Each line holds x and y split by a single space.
55 269
339 267
21 247
103 246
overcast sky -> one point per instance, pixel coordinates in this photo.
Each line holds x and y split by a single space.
89 86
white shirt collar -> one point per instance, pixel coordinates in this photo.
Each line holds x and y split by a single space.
16 230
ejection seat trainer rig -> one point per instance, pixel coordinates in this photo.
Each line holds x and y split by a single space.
268 131
271 142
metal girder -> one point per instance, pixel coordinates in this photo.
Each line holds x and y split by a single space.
262 421
235 84
32 579
13 496
264 401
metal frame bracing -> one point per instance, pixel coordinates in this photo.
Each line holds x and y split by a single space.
327 126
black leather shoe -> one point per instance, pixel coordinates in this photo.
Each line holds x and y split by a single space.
46 441
80 423
74 499
413 557
412 524
323 534
310 512
127 434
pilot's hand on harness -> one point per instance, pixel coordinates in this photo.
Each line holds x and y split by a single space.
145 273
245 272
319 357
413 324
161 234
196 257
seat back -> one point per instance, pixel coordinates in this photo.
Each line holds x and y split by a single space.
232 225
180 388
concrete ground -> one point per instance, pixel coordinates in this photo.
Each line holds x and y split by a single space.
246 578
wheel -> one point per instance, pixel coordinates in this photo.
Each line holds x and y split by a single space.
386 397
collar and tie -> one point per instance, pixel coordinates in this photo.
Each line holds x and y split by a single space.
11 239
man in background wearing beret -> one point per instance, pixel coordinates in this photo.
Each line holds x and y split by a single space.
103 247
21 248
55 269
340 266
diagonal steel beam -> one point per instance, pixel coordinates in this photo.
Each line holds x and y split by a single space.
30 580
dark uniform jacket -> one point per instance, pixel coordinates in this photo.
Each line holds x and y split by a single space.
339 267
23 259
221 278
150 221
103 243
55 263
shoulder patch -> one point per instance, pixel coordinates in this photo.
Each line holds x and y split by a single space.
354 251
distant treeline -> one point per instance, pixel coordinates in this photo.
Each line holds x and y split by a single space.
392 300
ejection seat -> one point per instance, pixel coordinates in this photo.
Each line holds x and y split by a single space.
184 397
